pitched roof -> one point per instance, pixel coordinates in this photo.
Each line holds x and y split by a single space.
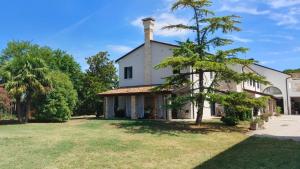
122 57
132 90
271 69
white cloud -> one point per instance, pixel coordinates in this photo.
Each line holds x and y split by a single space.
239 39
242 9
76 24
119 48
284 19
164 19
282 3
279 36
297 49
266 62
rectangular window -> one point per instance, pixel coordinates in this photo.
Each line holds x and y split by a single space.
128 72
258 85
176 71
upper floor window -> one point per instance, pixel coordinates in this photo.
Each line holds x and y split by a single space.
128 72
176 71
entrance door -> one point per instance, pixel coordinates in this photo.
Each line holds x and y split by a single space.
149 107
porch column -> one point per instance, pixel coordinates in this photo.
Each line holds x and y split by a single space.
109 103
133 107
169 110
105 108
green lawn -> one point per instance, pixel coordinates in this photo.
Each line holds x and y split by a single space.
140 144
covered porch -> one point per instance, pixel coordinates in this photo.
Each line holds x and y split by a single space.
136 103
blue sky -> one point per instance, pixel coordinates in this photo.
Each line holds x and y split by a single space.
271 28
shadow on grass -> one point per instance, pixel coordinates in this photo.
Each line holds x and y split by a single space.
257 153
9 122
174 128
74 118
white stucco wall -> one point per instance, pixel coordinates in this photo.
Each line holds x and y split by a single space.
277 79
159 53
294 87
136 60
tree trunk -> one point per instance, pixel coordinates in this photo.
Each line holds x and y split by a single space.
28 107
201 99
18 110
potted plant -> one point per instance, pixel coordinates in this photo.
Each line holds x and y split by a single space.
265 117
256 123
278 111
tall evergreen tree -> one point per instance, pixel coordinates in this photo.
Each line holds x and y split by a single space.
206 54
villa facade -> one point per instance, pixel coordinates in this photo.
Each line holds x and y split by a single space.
135 98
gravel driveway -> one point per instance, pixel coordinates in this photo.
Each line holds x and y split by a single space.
284 127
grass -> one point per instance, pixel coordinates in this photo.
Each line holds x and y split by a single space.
140 144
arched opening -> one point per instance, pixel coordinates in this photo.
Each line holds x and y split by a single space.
272 91
276 92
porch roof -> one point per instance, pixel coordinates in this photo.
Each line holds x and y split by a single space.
133 91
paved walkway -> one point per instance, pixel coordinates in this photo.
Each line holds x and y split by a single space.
283 127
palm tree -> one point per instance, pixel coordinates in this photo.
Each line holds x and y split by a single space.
24 77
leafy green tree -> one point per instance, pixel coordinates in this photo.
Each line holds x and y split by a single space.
59 103
288 71
100 76
206 54
25 77
56 60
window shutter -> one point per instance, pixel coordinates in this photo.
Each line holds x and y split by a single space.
125 73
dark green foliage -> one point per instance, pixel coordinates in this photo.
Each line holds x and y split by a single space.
239 105
101 76
245 116
54 108
24 77
59 103
230 120
233 116
288 71
62 101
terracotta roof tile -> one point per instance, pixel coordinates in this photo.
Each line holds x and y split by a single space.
131 90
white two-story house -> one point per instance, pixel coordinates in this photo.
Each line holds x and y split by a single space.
137 77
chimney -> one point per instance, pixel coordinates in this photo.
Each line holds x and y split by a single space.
148 30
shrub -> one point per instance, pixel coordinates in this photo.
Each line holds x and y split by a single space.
55 108
232 116
58 104
230 120
245 116
278 111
